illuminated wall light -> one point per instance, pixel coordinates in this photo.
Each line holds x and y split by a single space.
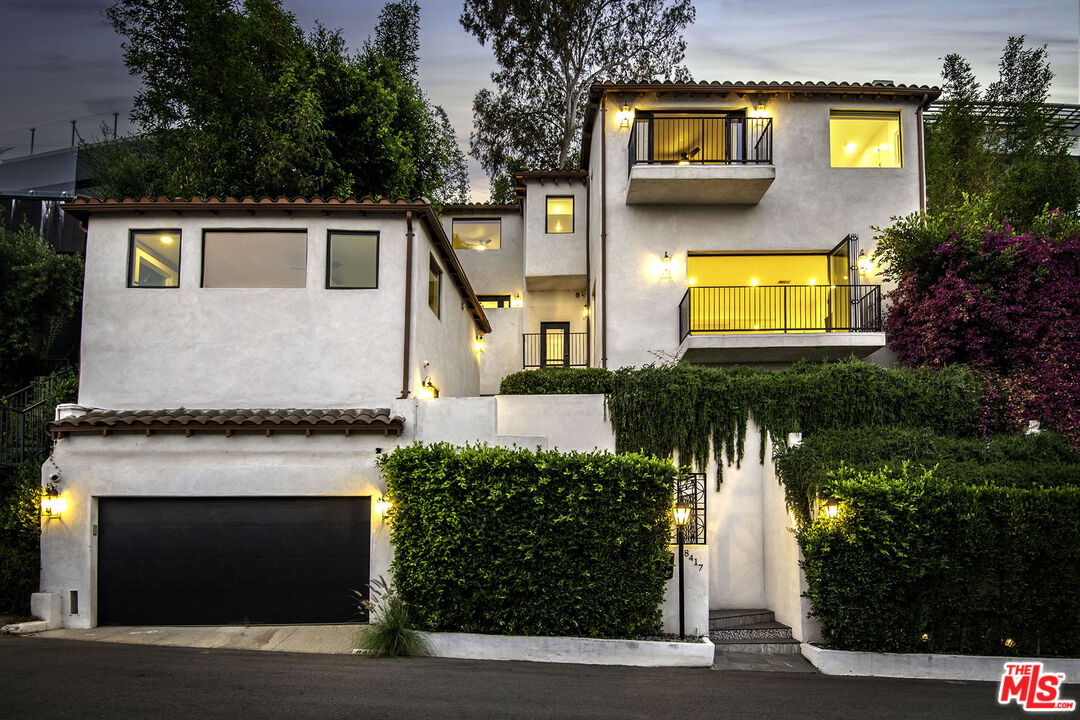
585 311
478 344
759 111
52 505
382 506
831 508
428 389
665 267
866 265
624 116
516 302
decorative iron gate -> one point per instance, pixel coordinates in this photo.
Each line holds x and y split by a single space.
690 488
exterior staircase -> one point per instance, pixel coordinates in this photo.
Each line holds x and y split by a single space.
750 631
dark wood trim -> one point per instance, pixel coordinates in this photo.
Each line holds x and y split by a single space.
603 229
329 258
408 305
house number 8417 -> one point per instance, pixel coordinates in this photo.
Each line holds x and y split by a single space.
691 558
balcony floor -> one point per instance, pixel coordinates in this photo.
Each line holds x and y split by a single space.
779 347
699 184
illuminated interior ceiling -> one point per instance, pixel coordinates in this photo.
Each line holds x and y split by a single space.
560 214
739 270
477 234
865 139
156 259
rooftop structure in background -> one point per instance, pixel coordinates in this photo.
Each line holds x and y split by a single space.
994 112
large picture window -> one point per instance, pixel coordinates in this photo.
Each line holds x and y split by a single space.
352 260
477 234
560 214
154 259
860 138
434 286
254 259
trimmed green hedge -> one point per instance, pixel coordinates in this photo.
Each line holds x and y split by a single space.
1040 460
970 566
557 381
494 540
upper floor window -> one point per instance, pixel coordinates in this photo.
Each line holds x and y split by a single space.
560 213
352 260
477 234
154 258
434 286
489 302
865 138
254 259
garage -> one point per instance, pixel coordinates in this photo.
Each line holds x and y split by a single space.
220 561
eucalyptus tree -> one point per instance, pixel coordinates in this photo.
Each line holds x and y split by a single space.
548 53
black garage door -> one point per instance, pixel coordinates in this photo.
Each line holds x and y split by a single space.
215 561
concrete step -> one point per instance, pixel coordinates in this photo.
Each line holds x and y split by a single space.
755 631
787 646
721 619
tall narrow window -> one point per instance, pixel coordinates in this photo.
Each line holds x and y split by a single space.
154 258
560 214
861 138
477 234
352 260
254 259
434 285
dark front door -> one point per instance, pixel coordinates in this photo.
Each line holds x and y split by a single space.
554 344
217 561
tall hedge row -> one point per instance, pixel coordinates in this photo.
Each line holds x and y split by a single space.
496 540
985 570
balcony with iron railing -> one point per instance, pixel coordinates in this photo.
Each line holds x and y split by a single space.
554 349
699 158
779 323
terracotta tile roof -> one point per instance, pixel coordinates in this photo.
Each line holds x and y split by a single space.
925 94
84 206
190 421
479 207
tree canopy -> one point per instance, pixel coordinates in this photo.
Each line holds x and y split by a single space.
1003 143
236 99
549 52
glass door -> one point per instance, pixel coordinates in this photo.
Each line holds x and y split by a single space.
843 279
554 344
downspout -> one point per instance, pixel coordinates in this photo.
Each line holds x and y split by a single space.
588 272
603 229
408 305
922 170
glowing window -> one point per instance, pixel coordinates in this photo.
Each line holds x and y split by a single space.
154 258
560 214
865 139
477 234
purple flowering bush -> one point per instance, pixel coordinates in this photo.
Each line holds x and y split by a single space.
972 290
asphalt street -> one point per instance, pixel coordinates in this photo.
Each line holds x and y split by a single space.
43 678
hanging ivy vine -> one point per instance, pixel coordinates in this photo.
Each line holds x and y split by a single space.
699 410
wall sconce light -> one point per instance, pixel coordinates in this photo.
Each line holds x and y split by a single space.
382 506
515 302
759 110
866 265
831 507
624 116
428 390
665 267
478 344
585 312
52 505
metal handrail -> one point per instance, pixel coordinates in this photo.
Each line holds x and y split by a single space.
780 309
574 353
700 139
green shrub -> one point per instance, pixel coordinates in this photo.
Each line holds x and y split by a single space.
20 532
656 409
1040 460
557 381
509 541
971 566
390 632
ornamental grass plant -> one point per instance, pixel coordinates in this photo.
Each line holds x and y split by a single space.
390 632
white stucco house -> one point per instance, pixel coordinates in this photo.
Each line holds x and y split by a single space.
245 361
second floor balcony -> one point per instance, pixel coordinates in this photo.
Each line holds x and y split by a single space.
779 323
699 158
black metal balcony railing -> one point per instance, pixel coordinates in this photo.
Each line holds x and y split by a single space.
780 309
560 350
716 139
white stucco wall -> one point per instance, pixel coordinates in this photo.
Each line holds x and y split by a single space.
810 206
493 272
444 341
554 260
502 352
